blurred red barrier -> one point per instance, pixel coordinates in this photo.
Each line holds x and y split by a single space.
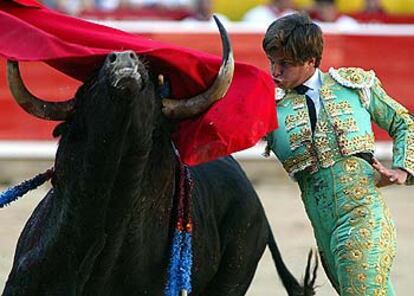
390 56
43 81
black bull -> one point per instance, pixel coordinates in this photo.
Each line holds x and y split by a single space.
105 227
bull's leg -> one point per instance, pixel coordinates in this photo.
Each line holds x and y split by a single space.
239 261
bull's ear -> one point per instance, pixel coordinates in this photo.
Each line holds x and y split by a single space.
60 129
33 105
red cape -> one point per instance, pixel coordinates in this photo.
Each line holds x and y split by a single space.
31 32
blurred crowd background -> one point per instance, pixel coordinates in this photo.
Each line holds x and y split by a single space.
349 11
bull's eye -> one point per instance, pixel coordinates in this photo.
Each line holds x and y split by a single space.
112 57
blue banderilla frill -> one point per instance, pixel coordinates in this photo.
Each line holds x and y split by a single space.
13 193
181 261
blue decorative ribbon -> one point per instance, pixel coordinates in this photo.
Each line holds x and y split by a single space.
13 193
181 261
179 271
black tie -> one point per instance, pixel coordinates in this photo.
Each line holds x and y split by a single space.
302 89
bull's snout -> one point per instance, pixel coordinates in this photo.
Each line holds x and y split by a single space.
123 59
124 69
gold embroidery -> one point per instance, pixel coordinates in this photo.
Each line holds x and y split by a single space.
295 120
356 77
338 108
387 249
347 125
322 143
289 120
321 127
297 140
300 162
380 292
302 116
326 158
364 98
298 103
362 277
346 179
364 232
326 93
363 181
353 77
350 165
360 240
409 139
365 143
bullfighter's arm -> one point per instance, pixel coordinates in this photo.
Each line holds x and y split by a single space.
399 123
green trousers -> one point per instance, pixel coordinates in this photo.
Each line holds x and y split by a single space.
352 226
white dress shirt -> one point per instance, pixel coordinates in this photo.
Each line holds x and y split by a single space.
314 83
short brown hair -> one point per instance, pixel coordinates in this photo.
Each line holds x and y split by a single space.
297 37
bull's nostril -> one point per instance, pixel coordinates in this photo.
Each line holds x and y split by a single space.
132 55
112 57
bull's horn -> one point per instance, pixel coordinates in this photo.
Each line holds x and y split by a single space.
30 103
181 109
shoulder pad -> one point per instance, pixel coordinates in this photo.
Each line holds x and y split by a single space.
353 77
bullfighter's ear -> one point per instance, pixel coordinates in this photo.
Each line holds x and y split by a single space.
164 87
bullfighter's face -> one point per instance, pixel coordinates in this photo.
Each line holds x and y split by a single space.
287 75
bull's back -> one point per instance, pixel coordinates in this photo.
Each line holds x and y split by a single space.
223 186
223 179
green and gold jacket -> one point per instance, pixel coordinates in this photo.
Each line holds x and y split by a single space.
350 99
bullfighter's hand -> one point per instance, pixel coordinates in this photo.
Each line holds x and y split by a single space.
389 176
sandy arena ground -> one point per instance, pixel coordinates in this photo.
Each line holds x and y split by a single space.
284 209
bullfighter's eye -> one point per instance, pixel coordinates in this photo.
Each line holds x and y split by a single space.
112 57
